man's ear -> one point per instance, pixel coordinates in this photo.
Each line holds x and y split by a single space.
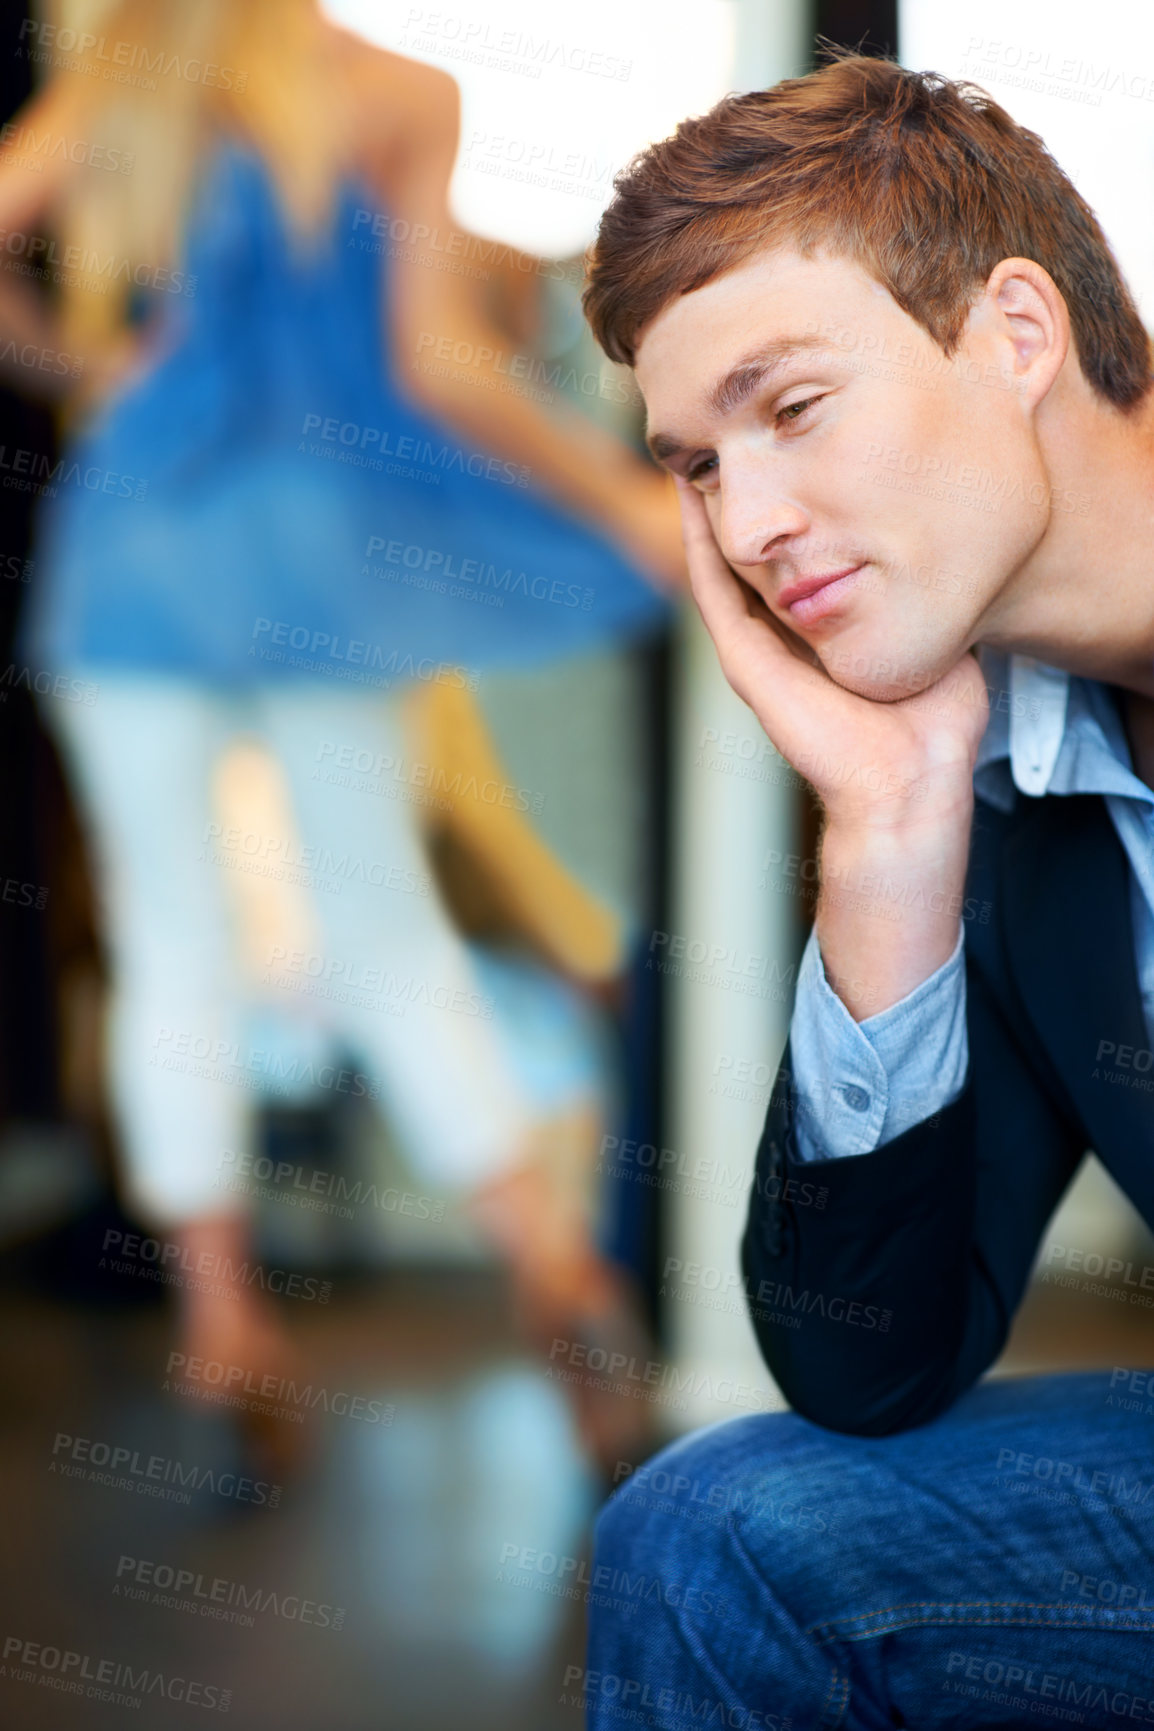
1023 311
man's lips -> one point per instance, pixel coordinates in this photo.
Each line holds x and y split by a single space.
811 598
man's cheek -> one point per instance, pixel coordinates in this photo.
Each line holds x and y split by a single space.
760 581
757 577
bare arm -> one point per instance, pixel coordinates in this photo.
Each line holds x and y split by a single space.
28 189
585 467
32 354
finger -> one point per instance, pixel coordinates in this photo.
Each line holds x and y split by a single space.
759 610
727 601
778 675
736 616
716 587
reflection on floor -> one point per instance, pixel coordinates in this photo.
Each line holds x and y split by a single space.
1093 1326
423 1571
411 1527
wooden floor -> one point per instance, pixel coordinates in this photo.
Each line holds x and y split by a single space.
406 1527
401 1526
1080 1329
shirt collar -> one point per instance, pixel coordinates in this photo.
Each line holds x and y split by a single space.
1050 732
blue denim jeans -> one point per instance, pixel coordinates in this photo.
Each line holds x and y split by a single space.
993 1568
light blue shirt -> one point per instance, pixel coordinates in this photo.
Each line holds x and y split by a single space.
860 1084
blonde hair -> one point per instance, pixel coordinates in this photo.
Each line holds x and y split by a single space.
159 82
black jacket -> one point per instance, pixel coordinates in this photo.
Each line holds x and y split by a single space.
940 1227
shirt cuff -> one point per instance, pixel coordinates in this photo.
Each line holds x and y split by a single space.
861 1084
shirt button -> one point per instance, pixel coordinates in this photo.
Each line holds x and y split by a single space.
856 1098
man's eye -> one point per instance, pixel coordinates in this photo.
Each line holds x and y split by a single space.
794 412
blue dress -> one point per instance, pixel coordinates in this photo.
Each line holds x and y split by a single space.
267 504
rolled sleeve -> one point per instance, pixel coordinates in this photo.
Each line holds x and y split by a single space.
860 1084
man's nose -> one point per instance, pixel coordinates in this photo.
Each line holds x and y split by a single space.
752 516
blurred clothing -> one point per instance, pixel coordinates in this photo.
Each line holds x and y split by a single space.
767 1573
461 1048
264 504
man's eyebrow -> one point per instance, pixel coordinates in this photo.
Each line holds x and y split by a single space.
754 369
740 382
662 446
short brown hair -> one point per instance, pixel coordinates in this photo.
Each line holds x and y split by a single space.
924 182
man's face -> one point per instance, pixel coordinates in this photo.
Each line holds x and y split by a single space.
861 451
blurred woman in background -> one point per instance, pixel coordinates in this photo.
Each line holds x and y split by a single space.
214 567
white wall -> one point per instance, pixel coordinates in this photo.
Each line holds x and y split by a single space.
556 97
1080 76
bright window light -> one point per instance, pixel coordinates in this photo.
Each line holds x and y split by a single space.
1080 76
556 98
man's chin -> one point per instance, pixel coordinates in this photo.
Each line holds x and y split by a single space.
881 678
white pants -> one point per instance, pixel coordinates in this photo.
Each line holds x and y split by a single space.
385 972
